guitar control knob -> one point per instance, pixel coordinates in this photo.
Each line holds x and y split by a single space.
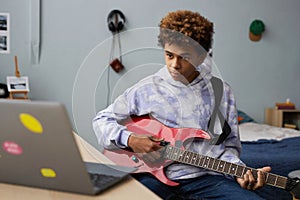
164 143
135 159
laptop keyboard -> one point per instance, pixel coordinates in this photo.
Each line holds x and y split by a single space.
102 179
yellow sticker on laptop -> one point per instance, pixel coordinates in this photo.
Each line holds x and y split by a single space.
31 123
48 173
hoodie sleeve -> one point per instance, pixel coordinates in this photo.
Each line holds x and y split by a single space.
109 132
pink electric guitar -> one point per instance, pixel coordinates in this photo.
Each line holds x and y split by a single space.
173 151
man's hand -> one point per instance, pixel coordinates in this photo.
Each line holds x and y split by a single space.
248 181
146 146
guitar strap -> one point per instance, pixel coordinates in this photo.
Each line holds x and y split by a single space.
217 85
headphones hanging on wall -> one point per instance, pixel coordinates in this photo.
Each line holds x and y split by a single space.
115 21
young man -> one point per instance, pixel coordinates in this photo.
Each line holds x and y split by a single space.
181 95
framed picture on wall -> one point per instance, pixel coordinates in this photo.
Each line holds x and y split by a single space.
4 33
17 84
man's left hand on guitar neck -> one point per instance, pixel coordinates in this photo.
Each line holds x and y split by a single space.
250 183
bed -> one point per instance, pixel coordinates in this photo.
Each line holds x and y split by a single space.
265 145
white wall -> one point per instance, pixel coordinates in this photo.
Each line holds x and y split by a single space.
75 45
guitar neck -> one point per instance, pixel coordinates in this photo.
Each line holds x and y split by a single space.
210 163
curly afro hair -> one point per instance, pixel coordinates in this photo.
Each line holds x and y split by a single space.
177 26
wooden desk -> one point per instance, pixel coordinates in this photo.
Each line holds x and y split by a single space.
127 190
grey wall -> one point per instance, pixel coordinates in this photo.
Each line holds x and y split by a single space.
75 45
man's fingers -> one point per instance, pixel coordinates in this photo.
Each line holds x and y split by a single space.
260 180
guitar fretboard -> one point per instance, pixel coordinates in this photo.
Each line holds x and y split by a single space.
214 164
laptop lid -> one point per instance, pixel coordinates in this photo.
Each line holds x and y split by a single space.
38 149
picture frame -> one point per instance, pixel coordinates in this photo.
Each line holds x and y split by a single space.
17 84
4 33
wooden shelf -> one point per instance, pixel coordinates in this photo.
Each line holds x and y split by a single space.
278 117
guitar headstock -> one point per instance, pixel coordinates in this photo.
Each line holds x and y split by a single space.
293 187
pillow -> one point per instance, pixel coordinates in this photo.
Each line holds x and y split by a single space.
243 117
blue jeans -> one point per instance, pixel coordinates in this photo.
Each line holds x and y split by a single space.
206 187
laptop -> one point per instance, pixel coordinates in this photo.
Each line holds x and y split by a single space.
38 149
